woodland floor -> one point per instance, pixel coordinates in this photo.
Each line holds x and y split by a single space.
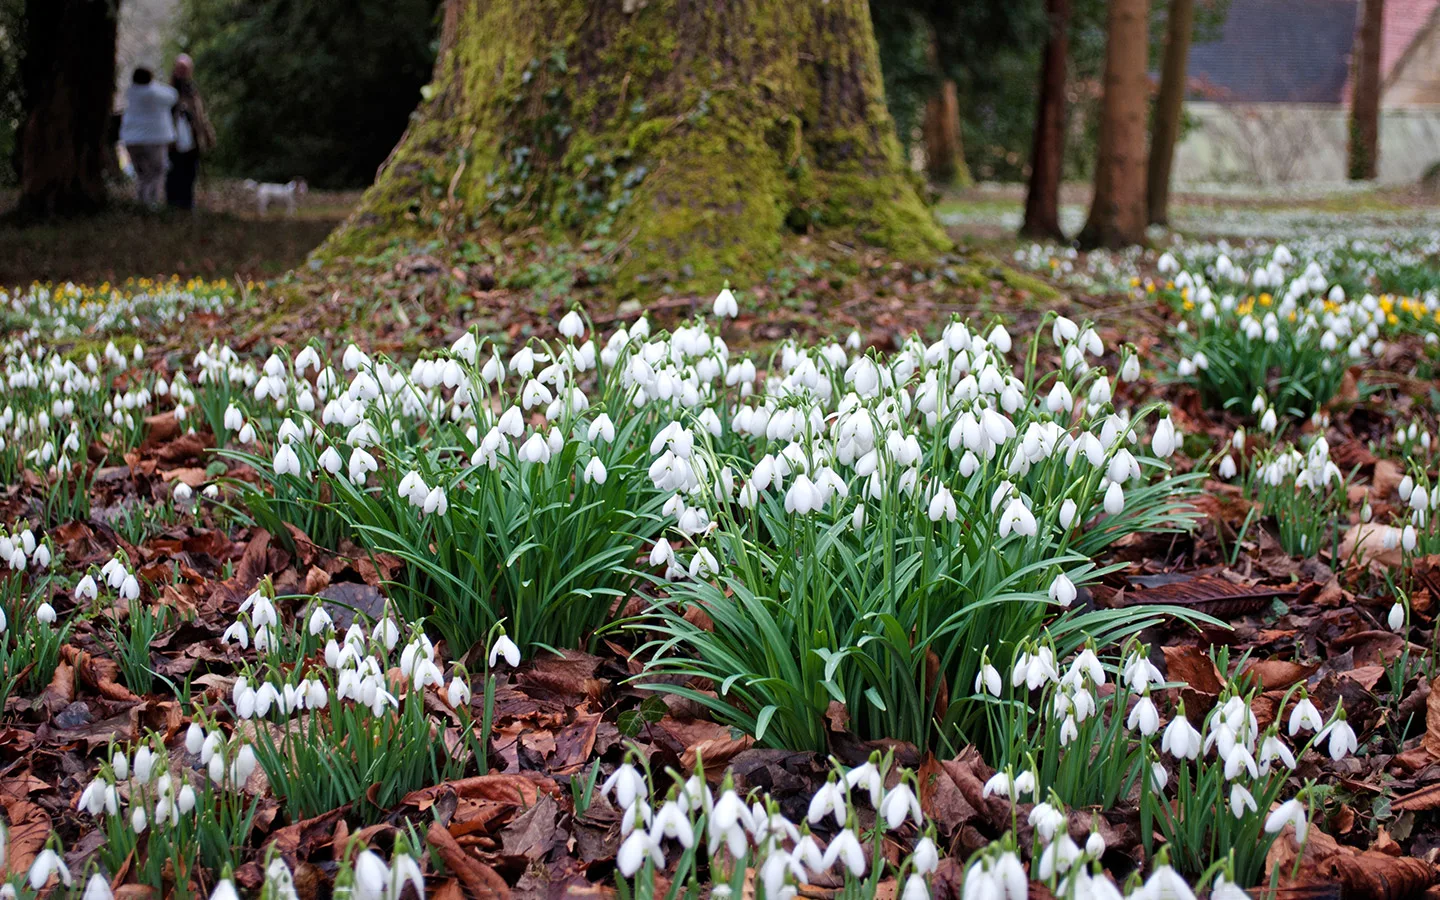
559 714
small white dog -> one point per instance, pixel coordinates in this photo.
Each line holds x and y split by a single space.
286 193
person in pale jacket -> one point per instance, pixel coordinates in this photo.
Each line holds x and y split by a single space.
148 129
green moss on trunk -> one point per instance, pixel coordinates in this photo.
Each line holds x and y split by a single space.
697 136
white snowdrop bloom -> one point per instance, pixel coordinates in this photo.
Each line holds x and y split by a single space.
845 848
942 505
1396 618
1165 884
435 502
625 785
594 471
866 777
1062 590
1408 539
504 647
286 461
1068 510
602 429
1130 368
1017 518
1291 812
86 589
1144 717
1227 469
331 461
1269 421
320 621
1046 820
1342 739
1181 740
458 693
1237 760
635 850
988 680
571 325
1164 442
97 888
1240 801
899 803
45 614
1114 499
1271 749
1059 399
46 864
726 305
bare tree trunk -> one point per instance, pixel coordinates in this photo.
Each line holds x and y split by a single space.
1047 153
944 156
68 78
1117 212
1365 93
1168 107
697 134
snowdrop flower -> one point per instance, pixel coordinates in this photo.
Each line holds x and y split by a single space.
504 647
1144 717
726 306
829 800
899 802
915 888
47 863
626 784
1305 716
1237 760
942 505
845 847
1164 442
97 888
286 461
1130 368
1047 821
1068 509
1166 884
1181 740
86 589
602 429
1062 590
320 621
1291 812
1342 738
1269 421
866 777
571 325
1396 618
1271 749
1227 468
224 890
45 614
1114 499
988 680
637 848
1240 801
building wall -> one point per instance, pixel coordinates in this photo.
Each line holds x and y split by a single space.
1415 81
1272 144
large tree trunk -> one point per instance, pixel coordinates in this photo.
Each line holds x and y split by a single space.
697 134
1165 131
944 156
1365 93
1117 212
1047 154
68 81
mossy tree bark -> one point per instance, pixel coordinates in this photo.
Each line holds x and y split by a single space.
695 134
67 77
1117 210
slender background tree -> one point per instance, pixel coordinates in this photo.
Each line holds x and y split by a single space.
1117 211
1365 93
1165 130
1047 156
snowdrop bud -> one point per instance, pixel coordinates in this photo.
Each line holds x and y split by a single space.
1396 619
194 738
1062 590
1114 499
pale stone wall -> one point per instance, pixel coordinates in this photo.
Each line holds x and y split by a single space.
1270 143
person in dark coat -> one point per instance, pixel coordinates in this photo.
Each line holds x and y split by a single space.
193 136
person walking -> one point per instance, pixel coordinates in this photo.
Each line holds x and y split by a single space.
147 131
193 136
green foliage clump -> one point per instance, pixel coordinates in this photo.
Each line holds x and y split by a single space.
320 89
